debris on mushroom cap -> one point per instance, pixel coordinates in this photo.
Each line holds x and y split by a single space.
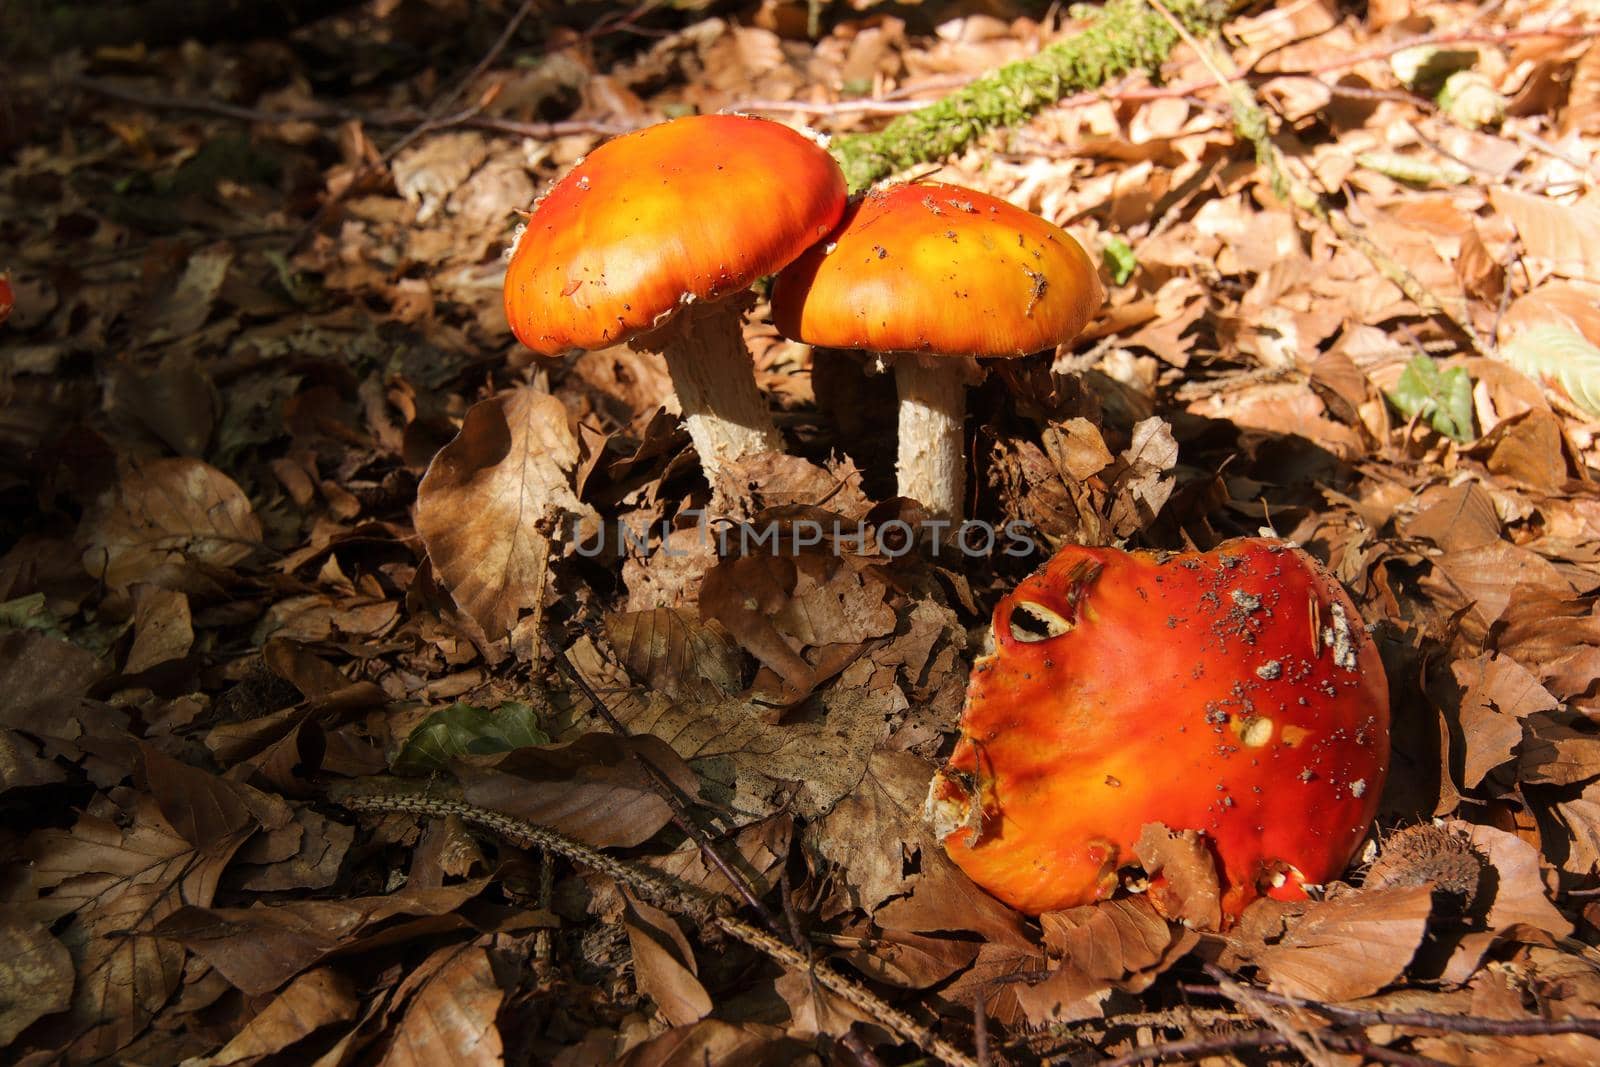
940 269
1198 683
703 205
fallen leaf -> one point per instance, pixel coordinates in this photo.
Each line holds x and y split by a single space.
36 976
315 1000
492 502
452 1017
164 515
162 630
1183 875
663 965
1348 947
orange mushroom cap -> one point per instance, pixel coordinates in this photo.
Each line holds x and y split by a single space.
939 269
1232 692
698 207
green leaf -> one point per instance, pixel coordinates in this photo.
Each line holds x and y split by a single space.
1120 260
1444 398
467 730
1555 355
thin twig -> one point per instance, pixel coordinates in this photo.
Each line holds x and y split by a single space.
1308 1045
658 888
663 785
1420 1020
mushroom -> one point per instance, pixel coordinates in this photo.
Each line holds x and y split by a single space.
652 238
926 272
5 295
1232 693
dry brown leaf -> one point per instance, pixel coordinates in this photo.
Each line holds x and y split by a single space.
1144 479
1183 875
673 651
174 402
35 976
185 309
1500 693
492 502
664 967
1519 894
162 629
1109 940
811 760
778 607
593 788
39 675
712 1041
119 872
259 948
1558 751
1067 995
1348 947
1564 238
1457 517
452 1017
314 1000
904 959
1574 305
162 516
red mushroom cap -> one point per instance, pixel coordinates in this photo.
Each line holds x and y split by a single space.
939 269
1232 692
5 296
698 207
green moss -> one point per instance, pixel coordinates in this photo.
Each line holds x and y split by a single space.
1126 35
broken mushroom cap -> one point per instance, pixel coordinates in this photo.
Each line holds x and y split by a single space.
940 270
692 209
1233 693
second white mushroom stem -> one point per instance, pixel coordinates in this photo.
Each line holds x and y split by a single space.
931 465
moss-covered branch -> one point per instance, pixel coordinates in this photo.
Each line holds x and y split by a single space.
1126 35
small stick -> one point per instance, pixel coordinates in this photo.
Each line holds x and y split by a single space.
659 889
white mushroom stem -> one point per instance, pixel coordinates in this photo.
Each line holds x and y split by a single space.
931 465
725 413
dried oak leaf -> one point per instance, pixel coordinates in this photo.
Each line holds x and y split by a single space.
1183 875
1114 939
35 976
777 607
316 999
593 788
664 967
1500 694
166 514
162 629
129 862
714 1041
879 840
493 501
259 948
811 759
1347 947
451 1017
39 676
1516 892
674 651
1144 477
